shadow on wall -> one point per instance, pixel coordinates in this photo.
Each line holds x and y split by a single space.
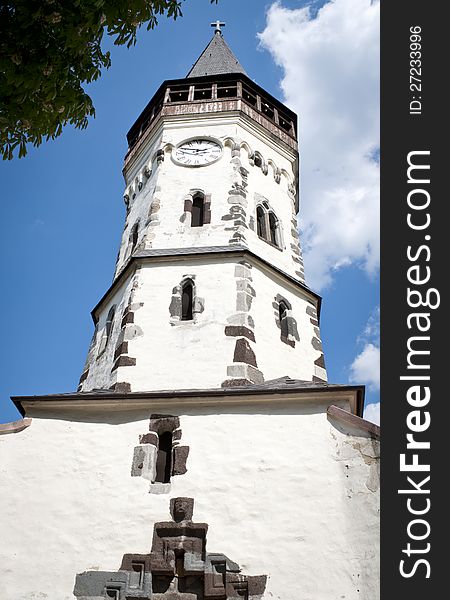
121 417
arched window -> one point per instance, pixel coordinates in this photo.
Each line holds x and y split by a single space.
267 225
187 295
285 321
282 313
261 222
198 210
164 458
197 204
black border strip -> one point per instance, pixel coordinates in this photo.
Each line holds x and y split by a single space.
413 119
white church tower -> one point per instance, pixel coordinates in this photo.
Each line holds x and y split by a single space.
205 382
209 287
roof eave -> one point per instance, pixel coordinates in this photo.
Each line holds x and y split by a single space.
101 400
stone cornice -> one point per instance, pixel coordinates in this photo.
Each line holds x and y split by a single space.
168 254
106 400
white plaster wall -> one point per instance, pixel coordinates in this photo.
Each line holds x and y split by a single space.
188 354
196 354
284 491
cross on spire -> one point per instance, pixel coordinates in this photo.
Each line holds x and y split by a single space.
218 25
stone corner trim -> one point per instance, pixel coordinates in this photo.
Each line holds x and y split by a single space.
15 426
244 368
366 426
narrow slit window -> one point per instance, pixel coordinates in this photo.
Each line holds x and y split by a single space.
187 295
261 223
273 225
134 235
198 211
107 330
164 458
283 320
109 322
179 563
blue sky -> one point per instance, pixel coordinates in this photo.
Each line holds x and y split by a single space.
62 204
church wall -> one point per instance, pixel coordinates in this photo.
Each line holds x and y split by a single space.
167 224
235 332
285 492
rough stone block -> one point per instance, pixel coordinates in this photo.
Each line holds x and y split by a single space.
124 361
245 372
243 302
242 318
320 372
180 455
311 311
316 344
244 353
237 331
144 462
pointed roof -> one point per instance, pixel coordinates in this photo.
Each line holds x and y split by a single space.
216 59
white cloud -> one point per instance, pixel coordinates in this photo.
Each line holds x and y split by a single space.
372 412
366 367
331 80
372 328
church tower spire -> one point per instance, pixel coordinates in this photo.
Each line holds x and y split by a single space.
217 58
209 288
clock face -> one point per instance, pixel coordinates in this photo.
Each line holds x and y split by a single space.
197 153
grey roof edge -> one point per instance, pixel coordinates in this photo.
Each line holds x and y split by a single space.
157 253
355 421
274 387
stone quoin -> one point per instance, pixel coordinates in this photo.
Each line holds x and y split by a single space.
205 382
